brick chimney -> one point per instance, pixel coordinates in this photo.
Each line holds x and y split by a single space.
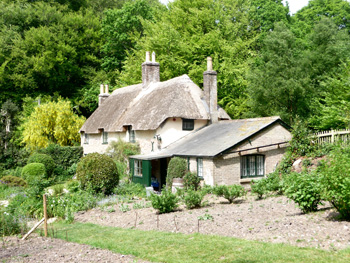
150 70
211 90
104 94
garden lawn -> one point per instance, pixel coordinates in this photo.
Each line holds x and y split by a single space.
174 247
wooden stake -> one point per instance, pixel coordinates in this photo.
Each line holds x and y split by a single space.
157 221
198 226
45 215
37 224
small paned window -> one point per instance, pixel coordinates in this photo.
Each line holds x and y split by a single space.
187 125
252 166
138 168
86 138
200 167
131 134
104 137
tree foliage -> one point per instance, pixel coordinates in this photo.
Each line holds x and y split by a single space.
189 31
53 122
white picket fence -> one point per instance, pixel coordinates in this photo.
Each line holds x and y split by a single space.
333 136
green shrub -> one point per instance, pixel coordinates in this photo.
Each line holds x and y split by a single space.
27 205
164 203
335 181
193 199
56 189
121 150
304 189
229 192
73 186
258 187
11 224
64 206
35 176
45 159
13 180
130 189
177 168
191 181
98 173
274 183
63 156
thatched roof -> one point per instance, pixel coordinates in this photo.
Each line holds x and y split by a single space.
148 108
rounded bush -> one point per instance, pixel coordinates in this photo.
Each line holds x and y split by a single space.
35 176
13 181
304 189
97 173
45 159
177 168
191 181
33 171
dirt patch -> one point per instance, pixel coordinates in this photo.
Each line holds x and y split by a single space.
40 249
275 219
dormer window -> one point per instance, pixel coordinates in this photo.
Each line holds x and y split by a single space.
187 124
86 138
104 137
131 135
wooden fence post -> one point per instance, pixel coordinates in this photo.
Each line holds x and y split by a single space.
45 215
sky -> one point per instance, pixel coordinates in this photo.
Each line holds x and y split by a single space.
295 5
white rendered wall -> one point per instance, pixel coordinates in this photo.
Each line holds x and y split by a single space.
169 132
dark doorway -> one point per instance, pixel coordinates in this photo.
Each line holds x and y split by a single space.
163 171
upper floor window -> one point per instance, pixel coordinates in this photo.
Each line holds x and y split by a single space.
187 124
252 166
200 167
104 137
86 138
131 134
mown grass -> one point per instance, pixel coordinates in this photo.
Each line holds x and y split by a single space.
170 247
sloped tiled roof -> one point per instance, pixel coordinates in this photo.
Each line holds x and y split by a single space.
215 138
146 109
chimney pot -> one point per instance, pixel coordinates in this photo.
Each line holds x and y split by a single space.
101 89
106 89
150 70
209 64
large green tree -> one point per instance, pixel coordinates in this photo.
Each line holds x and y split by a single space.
46 49
118 27
189 31
287 76
336 10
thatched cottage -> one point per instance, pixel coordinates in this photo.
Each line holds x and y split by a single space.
177 118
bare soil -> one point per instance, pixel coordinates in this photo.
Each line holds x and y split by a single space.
41 249
274 219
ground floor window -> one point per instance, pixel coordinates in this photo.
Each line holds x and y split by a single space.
138 168
252 166
200 167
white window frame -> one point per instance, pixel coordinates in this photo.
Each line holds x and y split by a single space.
252 166
200 167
